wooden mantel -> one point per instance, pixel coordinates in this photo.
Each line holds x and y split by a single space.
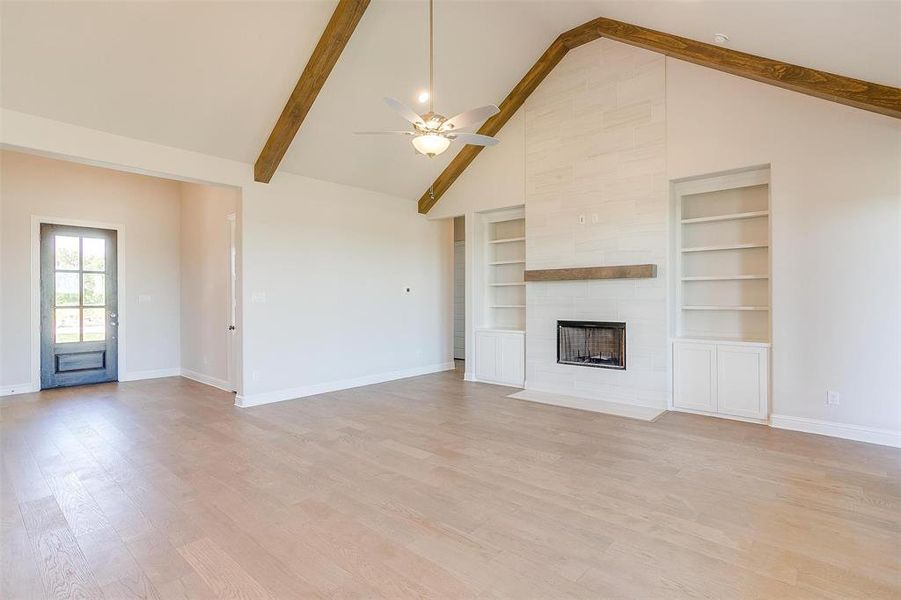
614 272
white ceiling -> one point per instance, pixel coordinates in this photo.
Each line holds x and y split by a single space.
213 76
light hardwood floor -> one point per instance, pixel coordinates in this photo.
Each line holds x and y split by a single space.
429 487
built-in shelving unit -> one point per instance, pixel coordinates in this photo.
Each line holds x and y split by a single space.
722 233
500 298
721 261
505 254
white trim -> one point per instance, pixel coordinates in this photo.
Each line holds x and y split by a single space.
706 413
150 374
860 433
21 388
206 379
620 409
243 401
36 221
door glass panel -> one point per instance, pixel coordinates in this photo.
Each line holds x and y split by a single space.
94 288
66 324
67 252
94 324
94 254
67 289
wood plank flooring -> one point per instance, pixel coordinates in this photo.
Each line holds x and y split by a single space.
429 488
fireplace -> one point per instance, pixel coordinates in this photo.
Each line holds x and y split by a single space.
591 344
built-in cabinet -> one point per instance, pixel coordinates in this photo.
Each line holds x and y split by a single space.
721 378
500 326
721 345
500 356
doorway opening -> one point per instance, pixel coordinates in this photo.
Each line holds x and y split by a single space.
459 293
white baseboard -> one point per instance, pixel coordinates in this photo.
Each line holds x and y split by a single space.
206 379
873 435
21 388
246 401
620 409
151 374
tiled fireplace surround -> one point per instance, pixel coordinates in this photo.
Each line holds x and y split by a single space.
595 147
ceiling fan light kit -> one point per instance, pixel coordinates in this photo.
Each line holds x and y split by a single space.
432 132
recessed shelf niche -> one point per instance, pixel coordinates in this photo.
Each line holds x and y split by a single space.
722 233
505 255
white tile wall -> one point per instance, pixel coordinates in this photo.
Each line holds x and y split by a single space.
595 145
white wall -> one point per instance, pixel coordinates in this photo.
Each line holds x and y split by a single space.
148 210
325 270
204 280
836 225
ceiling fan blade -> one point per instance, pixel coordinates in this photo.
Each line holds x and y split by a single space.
384 133
470 117
405 111
475 139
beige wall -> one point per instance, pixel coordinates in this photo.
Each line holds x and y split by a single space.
326 269
147 208
204 280
835 209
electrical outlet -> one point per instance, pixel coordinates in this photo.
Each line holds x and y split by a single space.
581 219
832 398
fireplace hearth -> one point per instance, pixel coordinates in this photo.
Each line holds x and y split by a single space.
591 344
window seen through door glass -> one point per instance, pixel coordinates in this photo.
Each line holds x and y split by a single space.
67 289
67 252
94 324
94 254
94 288
67 325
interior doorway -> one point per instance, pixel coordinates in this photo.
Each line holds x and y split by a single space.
459 290
79 305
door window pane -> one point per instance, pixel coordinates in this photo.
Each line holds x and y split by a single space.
67 252
67 289
94 288
94 324
94 254
66 323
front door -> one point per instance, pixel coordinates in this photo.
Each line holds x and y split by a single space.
79 315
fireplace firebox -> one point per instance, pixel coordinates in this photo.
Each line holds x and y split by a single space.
591 344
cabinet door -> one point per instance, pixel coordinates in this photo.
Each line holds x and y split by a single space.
694 376
487 355
741 381
512 359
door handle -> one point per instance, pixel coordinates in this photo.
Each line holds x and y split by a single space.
231 327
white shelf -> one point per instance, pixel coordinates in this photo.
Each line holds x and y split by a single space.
722 340
731 217
507 240
507 262
512 283
727 247
725 277
717 307
507 306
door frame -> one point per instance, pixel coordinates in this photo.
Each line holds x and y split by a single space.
36 221
231 341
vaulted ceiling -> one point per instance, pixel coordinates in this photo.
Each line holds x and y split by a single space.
214 76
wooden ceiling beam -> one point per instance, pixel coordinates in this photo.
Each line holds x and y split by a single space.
873 97
332 42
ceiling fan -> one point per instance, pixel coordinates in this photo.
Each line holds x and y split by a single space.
432 132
